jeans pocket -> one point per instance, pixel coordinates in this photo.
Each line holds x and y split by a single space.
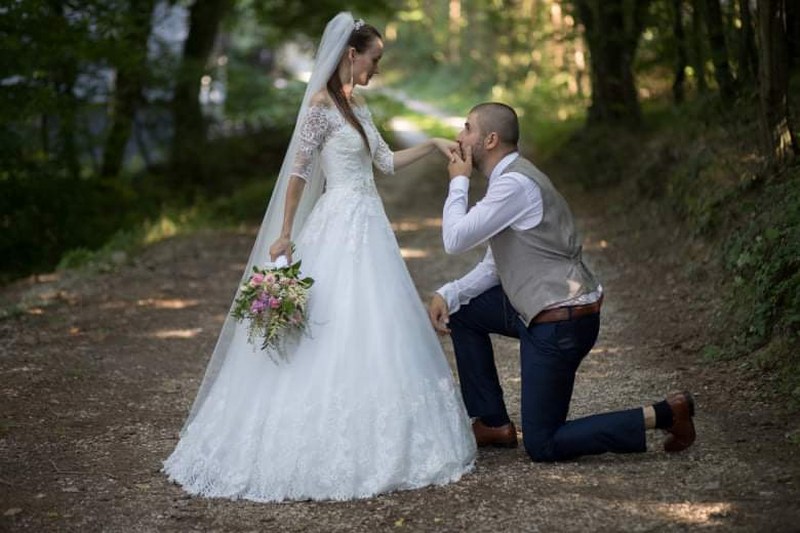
566 337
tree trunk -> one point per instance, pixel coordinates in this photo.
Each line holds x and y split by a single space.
793 32
454 37
680 51
778 140
131 76
65 75
189 136
719 50
748 54
612 47
698 50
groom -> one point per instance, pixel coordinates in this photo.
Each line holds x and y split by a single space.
532 285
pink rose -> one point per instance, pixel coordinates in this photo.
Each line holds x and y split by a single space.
274 303
256 279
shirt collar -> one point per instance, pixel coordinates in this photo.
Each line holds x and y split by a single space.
502 164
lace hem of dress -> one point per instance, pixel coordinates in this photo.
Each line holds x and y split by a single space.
294 469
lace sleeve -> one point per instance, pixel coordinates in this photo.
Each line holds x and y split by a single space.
313 133
382 155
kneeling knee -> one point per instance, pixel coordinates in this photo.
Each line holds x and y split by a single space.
541 451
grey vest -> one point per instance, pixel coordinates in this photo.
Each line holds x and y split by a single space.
541 266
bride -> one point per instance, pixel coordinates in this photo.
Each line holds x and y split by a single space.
366 403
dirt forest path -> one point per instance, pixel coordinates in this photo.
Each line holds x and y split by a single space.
98 373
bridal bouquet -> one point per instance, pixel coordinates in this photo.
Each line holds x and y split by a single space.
273 301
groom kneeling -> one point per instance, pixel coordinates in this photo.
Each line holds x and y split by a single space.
532 285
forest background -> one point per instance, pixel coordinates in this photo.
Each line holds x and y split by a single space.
129 121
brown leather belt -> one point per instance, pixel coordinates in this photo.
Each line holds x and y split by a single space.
567 313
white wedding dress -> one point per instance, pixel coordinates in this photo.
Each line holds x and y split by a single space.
366 404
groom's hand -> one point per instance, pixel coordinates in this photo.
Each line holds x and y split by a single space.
460 165
439 315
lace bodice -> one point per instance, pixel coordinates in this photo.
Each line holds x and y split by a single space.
343 157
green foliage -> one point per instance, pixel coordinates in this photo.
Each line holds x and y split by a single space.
286 17
246 204
699 162
794 436
598 156
763 259
452 89
252 95
713 352
47 211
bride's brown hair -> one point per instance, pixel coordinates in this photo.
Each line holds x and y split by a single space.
360 39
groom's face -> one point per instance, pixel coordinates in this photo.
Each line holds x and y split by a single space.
472 136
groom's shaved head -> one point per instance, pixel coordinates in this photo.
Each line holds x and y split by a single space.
498 118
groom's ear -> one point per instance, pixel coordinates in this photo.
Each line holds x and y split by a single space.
491 140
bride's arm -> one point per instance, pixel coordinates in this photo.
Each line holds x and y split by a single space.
283 246
403 158
388 161
312 133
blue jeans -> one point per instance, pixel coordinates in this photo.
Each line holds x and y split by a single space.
550 354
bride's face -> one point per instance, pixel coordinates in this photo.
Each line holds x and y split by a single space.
365 64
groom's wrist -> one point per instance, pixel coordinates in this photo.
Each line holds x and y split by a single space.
459 183
442 292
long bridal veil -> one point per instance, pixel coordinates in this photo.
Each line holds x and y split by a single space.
329 53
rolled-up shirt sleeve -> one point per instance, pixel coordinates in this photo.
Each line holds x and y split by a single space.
313 132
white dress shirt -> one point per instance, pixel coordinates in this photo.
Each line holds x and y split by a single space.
511 200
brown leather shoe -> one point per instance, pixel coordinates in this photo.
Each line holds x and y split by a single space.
681 433
499 437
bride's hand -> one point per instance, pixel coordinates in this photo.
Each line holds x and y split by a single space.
444 145
282 246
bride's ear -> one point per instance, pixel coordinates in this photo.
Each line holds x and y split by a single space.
351 53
